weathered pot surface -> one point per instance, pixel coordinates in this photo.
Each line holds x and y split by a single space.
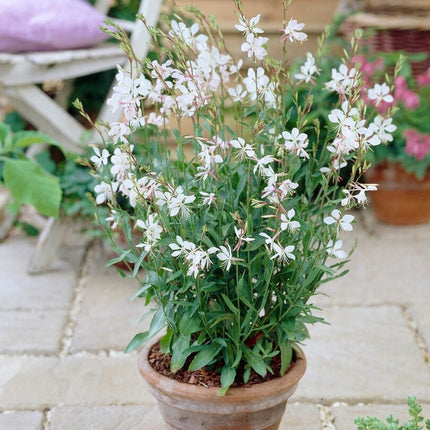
192 407
401 198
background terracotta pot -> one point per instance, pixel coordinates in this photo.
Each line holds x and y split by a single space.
401 199
191 407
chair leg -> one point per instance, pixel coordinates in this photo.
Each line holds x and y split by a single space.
47 116
6 218
48 244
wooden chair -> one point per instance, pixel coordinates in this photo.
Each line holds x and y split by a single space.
21 74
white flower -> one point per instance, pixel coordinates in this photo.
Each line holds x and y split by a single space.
238 93
380 93
119 132
383 128
343 116
287 223
254 46
245 150
261 168
209 198
343 80
293 32
250 27
240 234
283 255
152 231
295 142
114 219
122 164
358 193
183 247
105 191
335 250
225 256
344 222
256 82
178 203
308 70
269 240
100 158
287 187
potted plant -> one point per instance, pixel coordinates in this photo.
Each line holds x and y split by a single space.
238 197
401 168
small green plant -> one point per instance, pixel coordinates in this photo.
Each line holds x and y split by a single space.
416 422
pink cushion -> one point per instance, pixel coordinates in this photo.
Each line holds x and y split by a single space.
48 25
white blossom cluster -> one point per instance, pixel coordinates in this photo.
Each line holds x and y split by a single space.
183 92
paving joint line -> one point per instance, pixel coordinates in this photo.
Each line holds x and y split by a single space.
75 307
419 338
326 417
47 415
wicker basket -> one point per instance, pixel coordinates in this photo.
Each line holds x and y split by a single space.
397 28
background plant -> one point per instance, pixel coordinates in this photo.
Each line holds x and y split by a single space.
238 227
411 96
417 421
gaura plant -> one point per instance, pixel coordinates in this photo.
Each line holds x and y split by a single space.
233 230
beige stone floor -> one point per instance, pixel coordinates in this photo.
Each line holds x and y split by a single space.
62 334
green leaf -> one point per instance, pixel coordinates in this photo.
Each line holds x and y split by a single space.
228 375
179 354
230 304
255 361
189 325
204 357
29 183
23 139
157 323
137 341
118 259
286 354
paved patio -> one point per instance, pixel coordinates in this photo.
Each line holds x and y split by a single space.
62 335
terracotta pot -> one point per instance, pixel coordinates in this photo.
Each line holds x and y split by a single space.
191 407
401 198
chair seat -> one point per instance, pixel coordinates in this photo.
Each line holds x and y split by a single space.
21 69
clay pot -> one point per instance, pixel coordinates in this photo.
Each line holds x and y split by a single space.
401 199
191 407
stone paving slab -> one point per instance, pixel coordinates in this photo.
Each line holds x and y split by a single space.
22 420
420 313
344 416
19 290
384 269
367 354
297 417
135 417
31 331
108 320
36 383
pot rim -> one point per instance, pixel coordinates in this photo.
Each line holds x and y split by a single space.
251 394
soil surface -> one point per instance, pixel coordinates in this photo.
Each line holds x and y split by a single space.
160 362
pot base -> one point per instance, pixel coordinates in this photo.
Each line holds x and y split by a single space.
193 407
401 199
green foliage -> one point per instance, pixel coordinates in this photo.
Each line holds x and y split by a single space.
26 180
417 421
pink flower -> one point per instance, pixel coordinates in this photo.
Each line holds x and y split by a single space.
423 79
367 68
402 93
417 145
